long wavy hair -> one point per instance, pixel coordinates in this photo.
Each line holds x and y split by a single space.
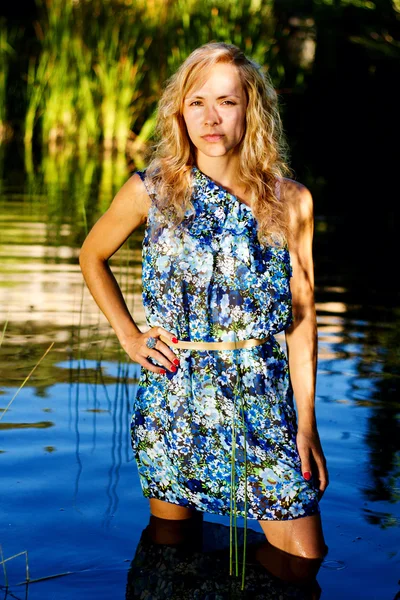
263 150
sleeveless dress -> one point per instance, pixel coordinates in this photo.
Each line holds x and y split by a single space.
218 435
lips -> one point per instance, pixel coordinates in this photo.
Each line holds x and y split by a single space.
212 137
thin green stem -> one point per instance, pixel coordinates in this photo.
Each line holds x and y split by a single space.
239 392
232 495
27 565
236 532
83 208
4 331
3 562
235 504
245 494
25 380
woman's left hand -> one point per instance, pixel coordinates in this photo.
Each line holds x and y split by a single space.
312 458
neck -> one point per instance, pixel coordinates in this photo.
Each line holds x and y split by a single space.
223 170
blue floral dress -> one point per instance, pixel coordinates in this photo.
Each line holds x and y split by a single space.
219 434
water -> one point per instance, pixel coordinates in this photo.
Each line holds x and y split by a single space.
70 494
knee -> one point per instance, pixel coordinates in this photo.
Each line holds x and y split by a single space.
303 569
315 552
174 531
166 510
291 566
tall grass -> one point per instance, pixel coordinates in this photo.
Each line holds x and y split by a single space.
102 65
59 86
119 79
84 84
249 24
39 73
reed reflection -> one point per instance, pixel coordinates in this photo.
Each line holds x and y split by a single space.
383 432
358 354
43 220
190 559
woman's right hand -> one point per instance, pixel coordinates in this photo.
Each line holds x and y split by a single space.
135 346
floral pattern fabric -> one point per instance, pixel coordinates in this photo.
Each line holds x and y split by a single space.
223 425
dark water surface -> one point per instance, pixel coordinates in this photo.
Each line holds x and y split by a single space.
70 494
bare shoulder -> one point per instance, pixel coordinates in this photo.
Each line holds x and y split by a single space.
127 211
133 194
299 201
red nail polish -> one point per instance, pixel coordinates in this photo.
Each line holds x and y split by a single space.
307 475
163 371
176 361
174 339
173 368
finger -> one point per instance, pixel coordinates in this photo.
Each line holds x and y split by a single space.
148 365
323 481
323 484
305 460
323 476
163 347
166 350
159 357
157 331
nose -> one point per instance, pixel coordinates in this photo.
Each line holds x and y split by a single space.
211 116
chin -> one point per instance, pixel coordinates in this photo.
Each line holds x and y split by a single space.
214 151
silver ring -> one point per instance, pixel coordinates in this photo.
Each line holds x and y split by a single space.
151 342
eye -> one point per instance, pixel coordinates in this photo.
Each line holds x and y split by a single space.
194 103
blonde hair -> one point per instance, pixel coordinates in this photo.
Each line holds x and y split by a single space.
263 150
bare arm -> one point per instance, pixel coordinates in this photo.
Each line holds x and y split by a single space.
126 213
301 336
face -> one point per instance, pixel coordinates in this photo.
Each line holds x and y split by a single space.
218 108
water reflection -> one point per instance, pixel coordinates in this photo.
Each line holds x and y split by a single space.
360 358
44 299
38 425
190 559
88 385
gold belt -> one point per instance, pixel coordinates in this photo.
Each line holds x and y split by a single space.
214 345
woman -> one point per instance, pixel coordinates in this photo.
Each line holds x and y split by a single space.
227 262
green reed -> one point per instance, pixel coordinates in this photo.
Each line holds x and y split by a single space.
137 144
232 515
4 331
25 380
119 79
244 429
249 24
85 83
38 74
88 132
4 560
233 536
59 87
99 79
28 578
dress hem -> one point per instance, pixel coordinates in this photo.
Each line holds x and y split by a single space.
227 514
